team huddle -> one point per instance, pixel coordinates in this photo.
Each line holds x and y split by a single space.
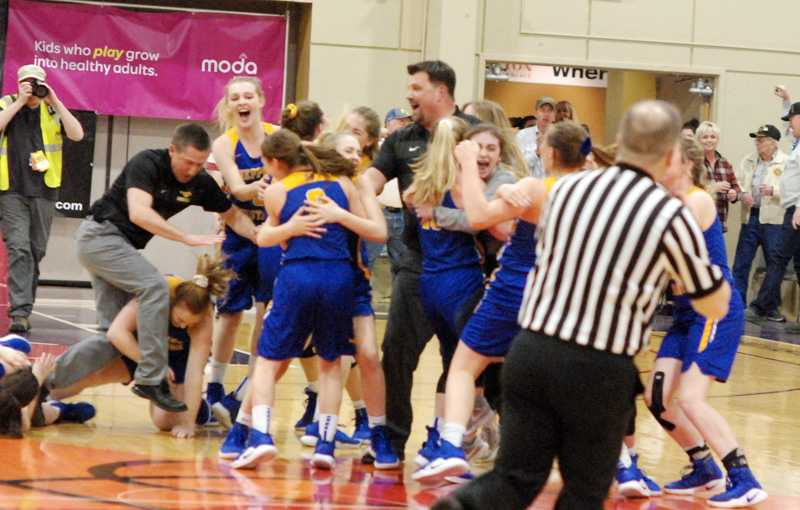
488 248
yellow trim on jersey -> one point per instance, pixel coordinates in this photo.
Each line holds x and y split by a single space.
172 283
708 331
233 134
549 182
694 189
296 179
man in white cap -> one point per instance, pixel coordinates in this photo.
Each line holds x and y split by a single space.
32 122
528 138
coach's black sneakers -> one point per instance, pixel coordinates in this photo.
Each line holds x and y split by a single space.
160 396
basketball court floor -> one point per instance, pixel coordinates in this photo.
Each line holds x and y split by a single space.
118 460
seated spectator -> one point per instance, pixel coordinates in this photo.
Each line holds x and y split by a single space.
762 214
722 182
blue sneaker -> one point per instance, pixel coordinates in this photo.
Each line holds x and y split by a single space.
235 442
702 475
311 436
428 450
460 479
226 410
260 449
308 415
323 455
381 449
449 460
629 481
79 412
742 489
214 392
652 486
16 342
362 431
204 416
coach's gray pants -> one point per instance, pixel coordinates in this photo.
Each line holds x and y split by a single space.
119 273
81 360
26 227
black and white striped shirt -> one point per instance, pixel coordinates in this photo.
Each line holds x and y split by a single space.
609 243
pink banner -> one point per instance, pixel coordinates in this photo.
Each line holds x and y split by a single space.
144 64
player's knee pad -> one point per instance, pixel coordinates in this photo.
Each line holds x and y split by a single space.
657 401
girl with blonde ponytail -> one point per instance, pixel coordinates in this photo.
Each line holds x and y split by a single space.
190 324
451 263
237 154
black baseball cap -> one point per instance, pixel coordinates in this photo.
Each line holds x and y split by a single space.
767 130
793 110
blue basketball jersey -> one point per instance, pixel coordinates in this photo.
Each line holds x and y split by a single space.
517 257
334 244
251 169
715 244
446 249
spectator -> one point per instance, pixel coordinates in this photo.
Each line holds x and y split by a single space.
396 118
31 126
565 111
721 178
689 127
762 214
768 301
528 138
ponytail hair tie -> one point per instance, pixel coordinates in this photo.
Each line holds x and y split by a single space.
586 146
200 280
292 109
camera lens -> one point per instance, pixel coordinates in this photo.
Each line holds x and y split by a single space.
40 91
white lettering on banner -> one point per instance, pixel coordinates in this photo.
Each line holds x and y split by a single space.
241 66
557 75
69 206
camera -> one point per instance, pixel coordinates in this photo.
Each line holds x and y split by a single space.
39 90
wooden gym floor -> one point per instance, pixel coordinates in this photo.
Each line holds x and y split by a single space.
118 460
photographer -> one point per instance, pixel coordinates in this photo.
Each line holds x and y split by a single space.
31 123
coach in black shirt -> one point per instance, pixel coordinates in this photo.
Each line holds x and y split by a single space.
611 241
431 89
153 186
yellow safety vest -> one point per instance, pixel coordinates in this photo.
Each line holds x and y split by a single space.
53 145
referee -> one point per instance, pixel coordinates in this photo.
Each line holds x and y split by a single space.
610 242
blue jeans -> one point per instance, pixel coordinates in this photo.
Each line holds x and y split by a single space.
394 242
753 235
769 296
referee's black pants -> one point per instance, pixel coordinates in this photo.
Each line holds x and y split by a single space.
407 333
559 400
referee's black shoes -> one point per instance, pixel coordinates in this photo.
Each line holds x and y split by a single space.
752 314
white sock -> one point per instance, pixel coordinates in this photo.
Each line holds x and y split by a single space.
625 456
453 433
216 371
359 404
313 386
375 421
245 419
316 411
327 426
261 416
240 390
